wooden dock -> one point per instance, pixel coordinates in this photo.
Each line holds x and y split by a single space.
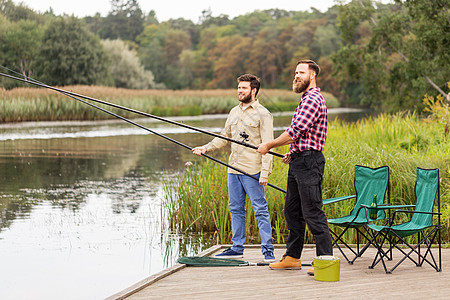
251 282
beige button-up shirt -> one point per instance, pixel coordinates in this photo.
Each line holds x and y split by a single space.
255 121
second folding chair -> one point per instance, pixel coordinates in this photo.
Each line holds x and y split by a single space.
421 223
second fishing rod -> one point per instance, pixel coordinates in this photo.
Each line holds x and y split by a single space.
37 83
172 140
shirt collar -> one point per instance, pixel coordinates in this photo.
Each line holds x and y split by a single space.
253 105
311 90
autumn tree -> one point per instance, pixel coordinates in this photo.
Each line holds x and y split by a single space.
265 57
229 55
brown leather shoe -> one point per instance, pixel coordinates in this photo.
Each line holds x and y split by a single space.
287 263
310 272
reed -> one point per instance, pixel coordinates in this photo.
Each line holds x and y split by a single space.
402 142
39 104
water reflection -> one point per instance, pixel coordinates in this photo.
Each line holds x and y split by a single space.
80 205
85 211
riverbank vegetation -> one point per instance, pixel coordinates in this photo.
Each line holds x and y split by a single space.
38 104
197 201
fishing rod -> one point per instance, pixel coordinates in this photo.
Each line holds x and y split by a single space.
37 83
167 138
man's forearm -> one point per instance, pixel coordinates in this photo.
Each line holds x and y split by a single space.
283 139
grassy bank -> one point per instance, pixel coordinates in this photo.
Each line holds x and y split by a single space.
197 200
39 104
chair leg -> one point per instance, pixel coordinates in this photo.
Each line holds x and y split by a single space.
342 252
380 253
439 237
339 238
359 251
419 264
366 246
357 242
422 258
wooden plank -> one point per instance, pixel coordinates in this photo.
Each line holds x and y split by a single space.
356 281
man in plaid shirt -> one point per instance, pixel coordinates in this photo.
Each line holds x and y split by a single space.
306 136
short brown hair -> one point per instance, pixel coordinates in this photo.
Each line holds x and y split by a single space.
255 82
312 65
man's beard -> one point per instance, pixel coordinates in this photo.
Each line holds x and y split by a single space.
300 86
246 99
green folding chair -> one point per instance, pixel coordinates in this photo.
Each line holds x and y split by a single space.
368 182
421 223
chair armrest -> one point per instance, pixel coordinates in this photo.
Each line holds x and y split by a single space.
413 212
418 212
337 199
389 206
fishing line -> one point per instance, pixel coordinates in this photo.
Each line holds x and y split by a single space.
158 134
35 82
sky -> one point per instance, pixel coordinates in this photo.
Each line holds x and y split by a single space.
166 9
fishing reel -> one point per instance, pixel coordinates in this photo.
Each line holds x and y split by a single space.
244 136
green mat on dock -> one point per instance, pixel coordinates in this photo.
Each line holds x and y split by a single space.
207 261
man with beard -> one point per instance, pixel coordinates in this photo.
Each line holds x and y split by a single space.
306 136
250 122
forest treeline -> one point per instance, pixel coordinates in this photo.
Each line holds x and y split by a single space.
386 56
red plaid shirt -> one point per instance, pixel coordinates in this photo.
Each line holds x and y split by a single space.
309 124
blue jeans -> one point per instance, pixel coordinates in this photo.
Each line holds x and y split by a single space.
238 187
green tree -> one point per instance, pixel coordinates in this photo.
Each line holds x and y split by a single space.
187 61
187 26
124 21
70 54
395 53
19 45
250 24
19 12
150 51
160 48
207 20
326 40
151 18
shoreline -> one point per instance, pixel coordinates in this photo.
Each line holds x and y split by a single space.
26 124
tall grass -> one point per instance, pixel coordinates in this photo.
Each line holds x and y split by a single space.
39 104
197 201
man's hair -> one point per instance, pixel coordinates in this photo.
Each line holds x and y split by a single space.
255 82
311 65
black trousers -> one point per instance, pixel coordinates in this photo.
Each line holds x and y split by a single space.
304 204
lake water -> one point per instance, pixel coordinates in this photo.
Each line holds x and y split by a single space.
80 204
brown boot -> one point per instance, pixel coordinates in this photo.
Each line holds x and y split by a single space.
310 272
287 263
